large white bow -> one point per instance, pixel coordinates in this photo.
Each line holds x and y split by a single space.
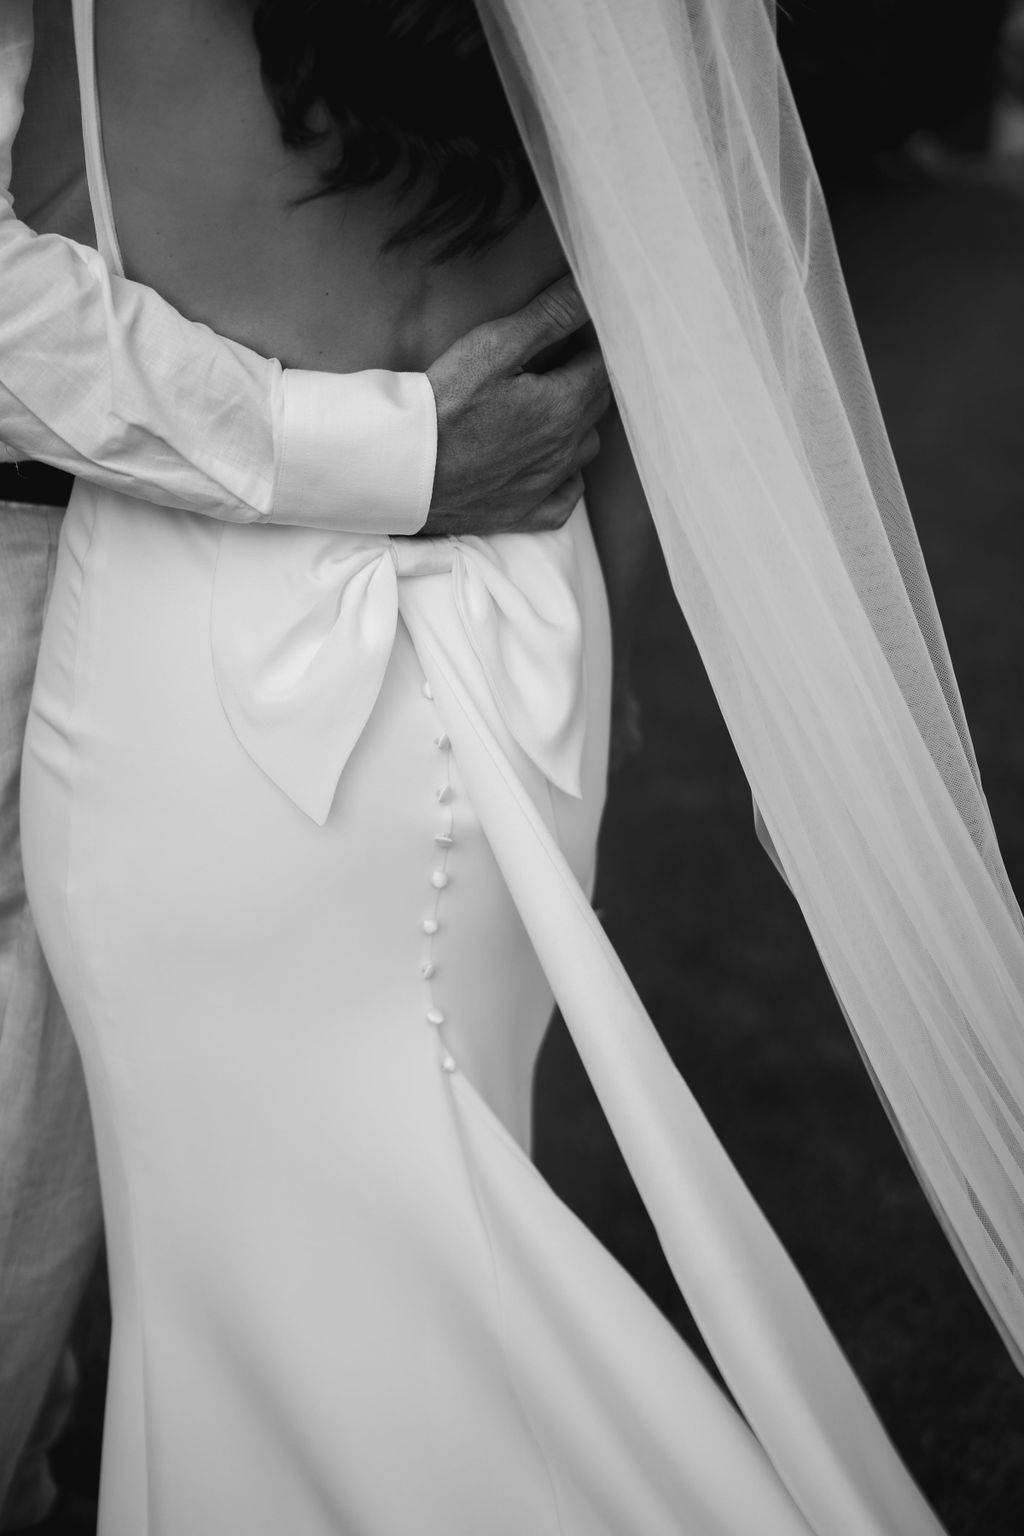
303 623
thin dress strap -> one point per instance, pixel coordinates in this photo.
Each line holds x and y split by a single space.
96 171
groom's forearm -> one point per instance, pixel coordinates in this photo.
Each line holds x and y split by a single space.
101 377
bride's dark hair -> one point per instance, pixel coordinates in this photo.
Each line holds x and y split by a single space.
405 88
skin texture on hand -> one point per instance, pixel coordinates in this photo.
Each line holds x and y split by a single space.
512 443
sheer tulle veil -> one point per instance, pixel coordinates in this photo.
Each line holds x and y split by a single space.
672 160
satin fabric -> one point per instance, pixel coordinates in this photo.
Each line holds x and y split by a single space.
300 623
343 1297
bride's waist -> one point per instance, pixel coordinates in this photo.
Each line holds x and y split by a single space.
123 532
289 632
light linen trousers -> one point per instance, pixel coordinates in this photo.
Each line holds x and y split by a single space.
49 1196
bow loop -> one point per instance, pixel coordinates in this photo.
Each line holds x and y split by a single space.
516 596
303 624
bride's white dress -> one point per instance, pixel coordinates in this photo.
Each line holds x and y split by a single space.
300 811
344 1299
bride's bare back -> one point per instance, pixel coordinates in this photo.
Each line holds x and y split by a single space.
206 203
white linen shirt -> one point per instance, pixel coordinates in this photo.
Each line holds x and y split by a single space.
102 377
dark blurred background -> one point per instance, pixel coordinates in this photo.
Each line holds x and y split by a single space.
915 111
869 75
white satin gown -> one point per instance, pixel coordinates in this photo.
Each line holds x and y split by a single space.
308 820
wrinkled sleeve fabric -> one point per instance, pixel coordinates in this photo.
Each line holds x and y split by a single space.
101 377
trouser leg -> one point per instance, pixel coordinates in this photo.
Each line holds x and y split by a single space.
49 1198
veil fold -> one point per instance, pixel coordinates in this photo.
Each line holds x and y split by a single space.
671 158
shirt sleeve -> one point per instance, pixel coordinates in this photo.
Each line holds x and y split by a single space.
101 377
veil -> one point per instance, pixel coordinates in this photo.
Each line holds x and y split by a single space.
671 158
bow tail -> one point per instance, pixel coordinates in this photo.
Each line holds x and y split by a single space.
775 1351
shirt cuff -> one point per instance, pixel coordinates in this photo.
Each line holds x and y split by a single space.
357 451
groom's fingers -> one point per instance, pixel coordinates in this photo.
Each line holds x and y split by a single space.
555 511
588 449
554 315
579 389
510 440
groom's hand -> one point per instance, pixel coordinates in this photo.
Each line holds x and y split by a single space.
511 444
